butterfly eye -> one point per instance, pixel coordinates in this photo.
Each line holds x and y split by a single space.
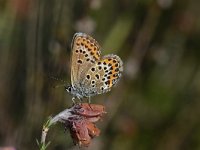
68 88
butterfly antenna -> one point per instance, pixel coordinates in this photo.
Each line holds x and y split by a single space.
58 79
58 86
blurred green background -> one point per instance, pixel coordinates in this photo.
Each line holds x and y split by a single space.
156 104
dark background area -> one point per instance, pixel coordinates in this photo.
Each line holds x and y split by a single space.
156 104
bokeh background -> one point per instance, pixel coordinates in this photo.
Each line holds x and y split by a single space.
155 106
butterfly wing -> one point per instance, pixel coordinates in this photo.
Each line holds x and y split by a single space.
85 52
103 75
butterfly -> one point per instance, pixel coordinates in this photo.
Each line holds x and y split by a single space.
91 74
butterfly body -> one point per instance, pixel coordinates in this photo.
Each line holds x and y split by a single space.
90 74
79 93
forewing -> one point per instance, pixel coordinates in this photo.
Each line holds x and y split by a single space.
85 53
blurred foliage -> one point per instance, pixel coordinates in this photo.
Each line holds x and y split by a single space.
156 104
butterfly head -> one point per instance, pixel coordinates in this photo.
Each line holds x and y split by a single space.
73 91
69 89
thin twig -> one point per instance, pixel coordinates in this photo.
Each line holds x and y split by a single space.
64 115
80 119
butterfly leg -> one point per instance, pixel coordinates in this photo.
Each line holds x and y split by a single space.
89 102
73 100
80 101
